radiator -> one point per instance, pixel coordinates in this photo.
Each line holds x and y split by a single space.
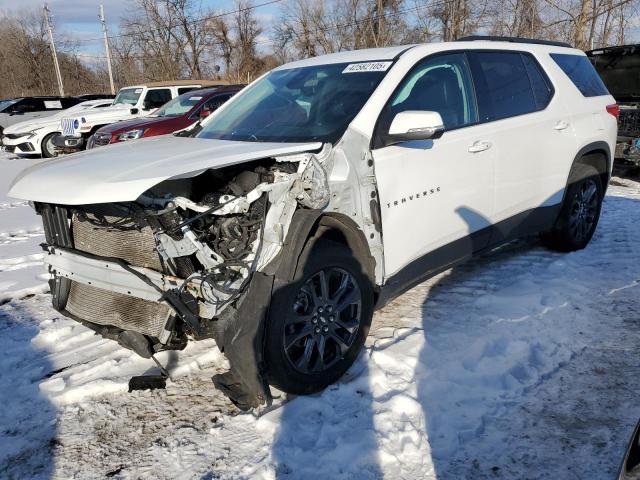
123 240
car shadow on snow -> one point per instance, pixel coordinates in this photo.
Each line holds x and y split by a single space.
329 437
27 418
497 328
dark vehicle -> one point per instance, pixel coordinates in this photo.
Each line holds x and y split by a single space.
175 115
95 96
630 468
619 68
25 108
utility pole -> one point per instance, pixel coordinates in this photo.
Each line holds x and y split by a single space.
106 47
47 22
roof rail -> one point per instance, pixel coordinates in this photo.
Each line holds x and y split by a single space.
492 38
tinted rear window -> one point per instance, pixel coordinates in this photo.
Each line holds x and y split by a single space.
579 69
502 85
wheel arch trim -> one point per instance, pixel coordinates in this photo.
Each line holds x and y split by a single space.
594 148
309 225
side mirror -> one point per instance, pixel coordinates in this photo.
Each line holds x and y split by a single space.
204 113
134 111
415 125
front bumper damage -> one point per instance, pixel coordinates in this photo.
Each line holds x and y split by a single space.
239 334
191 307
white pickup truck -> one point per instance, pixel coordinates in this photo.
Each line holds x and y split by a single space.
131 102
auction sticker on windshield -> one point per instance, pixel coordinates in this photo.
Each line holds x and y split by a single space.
367 67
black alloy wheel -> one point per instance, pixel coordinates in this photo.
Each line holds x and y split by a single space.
323 321
583 210
579 212
319 321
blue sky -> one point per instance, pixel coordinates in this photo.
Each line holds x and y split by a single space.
78 19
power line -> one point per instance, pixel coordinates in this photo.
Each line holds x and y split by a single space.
323 29
372 19
192 22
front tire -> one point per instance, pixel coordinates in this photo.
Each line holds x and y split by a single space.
579 214
47 146
319 322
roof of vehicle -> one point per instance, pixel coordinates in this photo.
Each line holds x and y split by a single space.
179 83
364 55
494 38
213 90
391 53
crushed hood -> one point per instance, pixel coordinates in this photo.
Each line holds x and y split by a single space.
123 171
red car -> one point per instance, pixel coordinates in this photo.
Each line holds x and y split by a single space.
177 114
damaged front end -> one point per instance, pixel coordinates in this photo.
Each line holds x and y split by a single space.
185 261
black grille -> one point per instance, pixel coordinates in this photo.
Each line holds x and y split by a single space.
629 122
101 139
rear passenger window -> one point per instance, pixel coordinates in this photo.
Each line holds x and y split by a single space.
580 71
502 85
542 90
182 90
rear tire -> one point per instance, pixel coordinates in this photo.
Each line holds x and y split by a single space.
579 213
47 146
319 322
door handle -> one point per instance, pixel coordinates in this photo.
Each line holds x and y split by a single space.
561 125
478 147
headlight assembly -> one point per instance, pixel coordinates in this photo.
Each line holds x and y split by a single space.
131 135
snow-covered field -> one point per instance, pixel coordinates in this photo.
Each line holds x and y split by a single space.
520 364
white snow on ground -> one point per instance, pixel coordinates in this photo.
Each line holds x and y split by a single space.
519 364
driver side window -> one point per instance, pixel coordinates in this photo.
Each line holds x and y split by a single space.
439 84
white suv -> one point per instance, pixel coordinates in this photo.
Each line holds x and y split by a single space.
319 192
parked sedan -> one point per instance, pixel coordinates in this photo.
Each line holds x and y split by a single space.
177 114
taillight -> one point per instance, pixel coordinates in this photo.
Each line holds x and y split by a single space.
614 110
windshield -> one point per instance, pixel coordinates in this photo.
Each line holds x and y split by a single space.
298 105
178 106
128 95
5 103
